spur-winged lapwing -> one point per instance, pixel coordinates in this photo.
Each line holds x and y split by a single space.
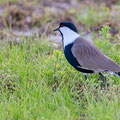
83 55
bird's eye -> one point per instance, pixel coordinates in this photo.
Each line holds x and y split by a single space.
62 26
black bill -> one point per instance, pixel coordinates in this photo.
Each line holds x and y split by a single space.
56 29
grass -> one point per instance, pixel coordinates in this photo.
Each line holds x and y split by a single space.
93 16
37 83
4 1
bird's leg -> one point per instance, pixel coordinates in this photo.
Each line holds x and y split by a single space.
102 78
85 74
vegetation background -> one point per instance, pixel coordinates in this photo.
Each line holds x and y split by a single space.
36 81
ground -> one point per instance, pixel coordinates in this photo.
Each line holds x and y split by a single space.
36 81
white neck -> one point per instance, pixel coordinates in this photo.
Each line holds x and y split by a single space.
69 36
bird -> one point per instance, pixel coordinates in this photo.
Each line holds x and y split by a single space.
83 55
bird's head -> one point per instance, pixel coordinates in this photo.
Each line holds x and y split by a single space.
66 26
68 31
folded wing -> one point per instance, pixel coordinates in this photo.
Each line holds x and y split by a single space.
90 57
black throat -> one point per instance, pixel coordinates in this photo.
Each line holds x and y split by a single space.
73 61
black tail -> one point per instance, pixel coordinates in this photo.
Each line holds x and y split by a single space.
117 74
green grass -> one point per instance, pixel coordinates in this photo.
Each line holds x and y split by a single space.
5 1
37 83
92 17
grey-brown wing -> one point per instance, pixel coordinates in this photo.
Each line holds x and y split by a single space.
90 57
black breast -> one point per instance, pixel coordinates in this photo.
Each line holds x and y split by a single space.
72 60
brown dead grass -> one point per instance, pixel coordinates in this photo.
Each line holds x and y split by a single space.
24 16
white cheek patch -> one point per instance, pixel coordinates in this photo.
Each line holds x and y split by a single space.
63 29
69 35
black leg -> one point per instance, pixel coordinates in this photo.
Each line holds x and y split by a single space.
85 76
102 78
